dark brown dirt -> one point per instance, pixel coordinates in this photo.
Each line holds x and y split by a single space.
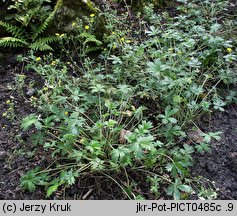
220 165
13 161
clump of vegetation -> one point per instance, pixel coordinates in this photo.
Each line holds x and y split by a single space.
128 109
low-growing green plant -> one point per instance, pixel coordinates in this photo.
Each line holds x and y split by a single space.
128 110
97 127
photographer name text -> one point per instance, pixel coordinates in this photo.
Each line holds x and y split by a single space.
42 208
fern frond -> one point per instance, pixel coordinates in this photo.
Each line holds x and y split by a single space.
17 32
42 44
12 42
40 47
92 49
90 38
43 26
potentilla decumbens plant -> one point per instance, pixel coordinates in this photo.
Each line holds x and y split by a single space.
96 129
128 111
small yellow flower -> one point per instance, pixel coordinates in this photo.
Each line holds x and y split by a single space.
66 113
62 35
4 127
45 88
73 24
53 63
92 15
122 39
8 101
113 33
87 27
57 34
229 50
128 41
114 46
68 63
4 114
38 59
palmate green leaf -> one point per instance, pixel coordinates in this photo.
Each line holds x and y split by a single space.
97 164
120 153
144 127
219 104
31 179
28 184
98 88
203 147
172 120
185 188
212 135
174 191
176 168
77 155
166 118
49 121
171 168
175 188
146 142
68 177
170 131
30 120
154 67
116 60
117 154
95 147
136 148
169 112
74 124
153 31
187 150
